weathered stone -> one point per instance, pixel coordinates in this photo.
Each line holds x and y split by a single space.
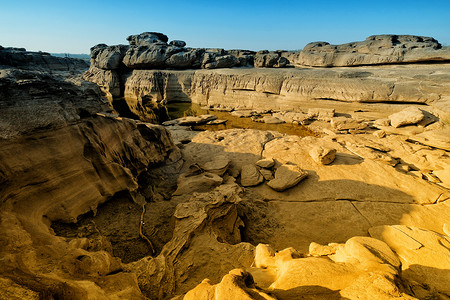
382 122
218 165
321 250
147 39
410 115
250 175
178 43
265 163
151 56
323 155
423 254
375 50
270 120
266 173
342 123
380 134
321 113
265 59
287 176
203 182
216 122
108 57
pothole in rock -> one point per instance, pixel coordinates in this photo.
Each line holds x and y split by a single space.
183 109
115 228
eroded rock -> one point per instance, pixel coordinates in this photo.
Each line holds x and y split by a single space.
287 176
410 115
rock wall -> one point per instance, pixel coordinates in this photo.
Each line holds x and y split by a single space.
146 71
60 158
291 89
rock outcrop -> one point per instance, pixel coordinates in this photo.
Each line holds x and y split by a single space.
61 157
43 61
375 50
99 205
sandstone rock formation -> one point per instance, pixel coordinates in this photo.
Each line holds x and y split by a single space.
95 204
20 58
61 159
375 50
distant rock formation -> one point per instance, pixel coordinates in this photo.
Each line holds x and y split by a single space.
375 50
151 50
19 57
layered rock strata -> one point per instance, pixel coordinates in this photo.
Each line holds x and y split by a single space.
375 50
60 159
128 72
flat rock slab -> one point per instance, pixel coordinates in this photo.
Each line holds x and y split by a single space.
343 123
410 115
266 163
271 120
218 165
287 176
216 122
197 183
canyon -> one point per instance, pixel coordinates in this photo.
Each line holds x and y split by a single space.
105 195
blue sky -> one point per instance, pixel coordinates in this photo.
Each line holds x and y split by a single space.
75 26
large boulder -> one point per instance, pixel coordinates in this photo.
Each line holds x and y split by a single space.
108 57
178 43
147 38
150 57
376 49
184 60
265 59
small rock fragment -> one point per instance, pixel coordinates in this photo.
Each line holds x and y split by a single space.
382 122
380 134
267 174
322 250
265 163
218 166
324 114
250 175
271 120
323 155
216 122
197 183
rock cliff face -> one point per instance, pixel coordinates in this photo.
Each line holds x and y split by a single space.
128 72
290 89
